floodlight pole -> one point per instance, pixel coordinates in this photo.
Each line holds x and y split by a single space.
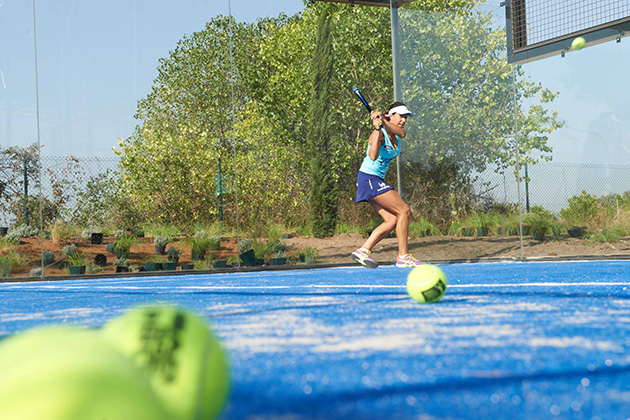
396 77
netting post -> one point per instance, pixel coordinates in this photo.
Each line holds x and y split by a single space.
26 191
396 77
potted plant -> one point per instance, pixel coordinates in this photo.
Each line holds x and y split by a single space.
172 255
123 246
122 265
48 257
482 223
215 243
160 242
199 245
311 255
541 222
279 258
261 252
153 263
94 236
234 261
77 260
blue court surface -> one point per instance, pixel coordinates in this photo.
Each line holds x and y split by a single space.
535 340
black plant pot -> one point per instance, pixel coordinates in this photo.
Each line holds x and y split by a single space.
188 266
120 269
110 247
277 261
169 266
248 258
100 260
482 231
575 232
4 231
152 266
77 269
97 238
160 249
219 263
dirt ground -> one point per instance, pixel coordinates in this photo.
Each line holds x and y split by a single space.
336 250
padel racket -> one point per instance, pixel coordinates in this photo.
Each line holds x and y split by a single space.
367 106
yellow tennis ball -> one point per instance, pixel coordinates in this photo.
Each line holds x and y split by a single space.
61 373
578 43
426 283
188 368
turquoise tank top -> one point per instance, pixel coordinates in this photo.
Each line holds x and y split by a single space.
386 154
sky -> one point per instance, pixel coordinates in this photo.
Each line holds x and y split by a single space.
97 59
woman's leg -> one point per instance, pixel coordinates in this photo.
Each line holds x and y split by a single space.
389 223
395 213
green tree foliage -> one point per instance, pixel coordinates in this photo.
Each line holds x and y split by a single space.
15 163
323 197
458 82
455 77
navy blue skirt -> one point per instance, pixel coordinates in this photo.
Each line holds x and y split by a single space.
369 186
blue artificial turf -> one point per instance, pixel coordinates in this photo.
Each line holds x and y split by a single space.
507 341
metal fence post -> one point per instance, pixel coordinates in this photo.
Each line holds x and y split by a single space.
26 191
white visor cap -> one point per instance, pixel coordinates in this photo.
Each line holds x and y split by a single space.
400 110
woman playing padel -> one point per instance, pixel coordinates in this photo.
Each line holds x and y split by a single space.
383 147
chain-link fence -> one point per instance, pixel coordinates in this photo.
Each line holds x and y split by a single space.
77 189
56 186
552 184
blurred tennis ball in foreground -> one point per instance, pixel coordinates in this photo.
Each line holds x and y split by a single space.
188 369
61 373
578 43
426 283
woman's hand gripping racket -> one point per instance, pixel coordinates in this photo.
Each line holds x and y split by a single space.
362 99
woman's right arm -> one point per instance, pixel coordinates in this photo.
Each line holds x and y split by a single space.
375 141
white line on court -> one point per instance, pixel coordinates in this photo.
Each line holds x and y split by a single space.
333 286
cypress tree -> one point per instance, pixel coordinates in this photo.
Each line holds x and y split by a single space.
323 194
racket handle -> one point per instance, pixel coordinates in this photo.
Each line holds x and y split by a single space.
367 106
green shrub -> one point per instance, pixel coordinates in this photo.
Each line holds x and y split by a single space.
9 262
122 262
279 247
582 210
342 228
69 250
311 255
61 231
18 232
48 257
614 234
87 233
169 231
422 227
